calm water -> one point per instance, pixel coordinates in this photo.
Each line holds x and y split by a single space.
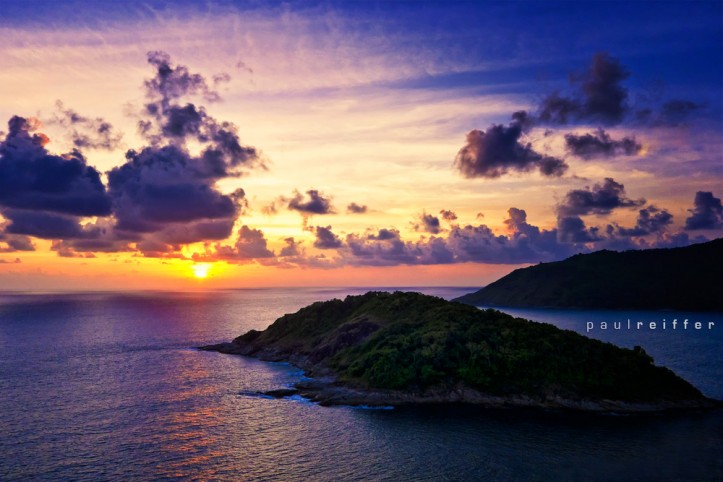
109 387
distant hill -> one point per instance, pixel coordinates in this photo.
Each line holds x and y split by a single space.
400 348
689 278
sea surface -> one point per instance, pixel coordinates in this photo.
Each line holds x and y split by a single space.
109 386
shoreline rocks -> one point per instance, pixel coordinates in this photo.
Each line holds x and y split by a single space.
324 388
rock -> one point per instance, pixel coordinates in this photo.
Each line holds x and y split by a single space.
280 392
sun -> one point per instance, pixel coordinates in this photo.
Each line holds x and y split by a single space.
200 270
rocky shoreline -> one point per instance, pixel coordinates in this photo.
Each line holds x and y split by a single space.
324 388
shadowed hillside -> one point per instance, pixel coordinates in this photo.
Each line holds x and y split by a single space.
689 278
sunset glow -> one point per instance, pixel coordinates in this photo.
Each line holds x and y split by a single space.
201 270
288 145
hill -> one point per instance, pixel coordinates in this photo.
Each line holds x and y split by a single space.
689 278
397 348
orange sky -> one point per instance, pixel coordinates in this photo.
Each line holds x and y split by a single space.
333 110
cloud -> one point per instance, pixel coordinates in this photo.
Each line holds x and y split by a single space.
384 234
98 236
326 239
599 144
448 215
316 203
87 133
428 224
152 248
291 248
524 244
159 192
7 261
572 229
383 248
707 212
162 197
250 245
41 224
168 121
597 95
171 83
498 151
33 179
672 113
601 199
354 208
163 192
158 187
651 220
13 243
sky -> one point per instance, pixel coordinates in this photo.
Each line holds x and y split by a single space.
194 145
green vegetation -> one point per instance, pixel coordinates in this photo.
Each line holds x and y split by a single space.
415 343
689 278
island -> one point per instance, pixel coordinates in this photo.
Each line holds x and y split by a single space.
404 348
689 278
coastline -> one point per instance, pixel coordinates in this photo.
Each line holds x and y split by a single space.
323 387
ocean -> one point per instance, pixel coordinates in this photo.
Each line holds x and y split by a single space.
109 386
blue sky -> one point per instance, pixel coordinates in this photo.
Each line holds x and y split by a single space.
401 108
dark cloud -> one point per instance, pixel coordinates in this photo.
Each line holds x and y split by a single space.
599 144
672 113
525 244
163 192
315 203
292 248
192 232
597 95
162 197
10 243
498 151
678 240
173 82
326 239
98 236
448 215
85 132
651 220
428 224
601 199
171 122
156 249
530 241
354 208
517 218
384 248
158 188
250 245
41 224
707 212
572 229
523 119
31 178
384 235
